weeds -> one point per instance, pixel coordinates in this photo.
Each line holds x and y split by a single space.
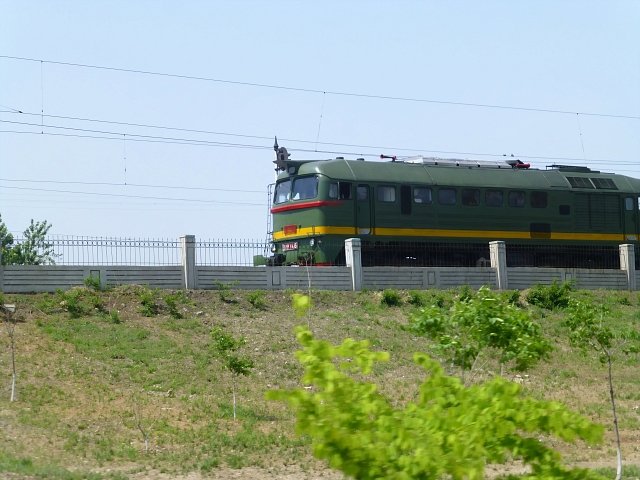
391 298
172 300
80 302
257 300
224 292
93 283
149 302
551 297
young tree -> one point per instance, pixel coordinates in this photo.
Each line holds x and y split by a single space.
589 331
9 320
34 250
225 347
450 431
479 322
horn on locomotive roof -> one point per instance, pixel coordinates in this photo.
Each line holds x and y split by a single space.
392 157
518 164
281 156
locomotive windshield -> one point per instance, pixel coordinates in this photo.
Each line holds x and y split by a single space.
283 192
303 188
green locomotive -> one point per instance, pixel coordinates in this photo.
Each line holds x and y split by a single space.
430 211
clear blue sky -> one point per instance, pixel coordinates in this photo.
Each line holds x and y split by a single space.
574 56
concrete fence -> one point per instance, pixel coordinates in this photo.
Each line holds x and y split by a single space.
190 275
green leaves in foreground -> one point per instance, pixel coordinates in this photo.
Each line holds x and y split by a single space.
480 321
450 430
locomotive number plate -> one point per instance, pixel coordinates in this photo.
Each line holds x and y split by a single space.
288 246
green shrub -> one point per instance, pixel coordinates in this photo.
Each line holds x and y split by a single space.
417 299
512 296
172 300
93 283
465 293
551 297
391 298
114 317
257 300
149 302
78 302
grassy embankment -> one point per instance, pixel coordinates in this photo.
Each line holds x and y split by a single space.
100 372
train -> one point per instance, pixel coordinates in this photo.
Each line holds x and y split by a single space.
428 211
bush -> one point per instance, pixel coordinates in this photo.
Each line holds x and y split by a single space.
93 283
172 300
79 302
391 298
149 302
417 299
256 299
552 297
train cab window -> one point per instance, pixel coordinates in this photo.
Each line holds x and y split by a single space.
405 199
516 198
283 192
422 195
362 192
340 190
539 199
345 190
470 197
386 193
305 188
629 203
447 196
564 209
493 198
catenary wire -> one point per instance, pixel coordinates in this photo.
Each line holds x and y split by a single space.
140 185
195 142
122 195
318 91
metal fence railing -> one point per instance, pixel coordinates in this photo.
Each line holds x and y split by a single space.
564 256
81 250
229 252
78 250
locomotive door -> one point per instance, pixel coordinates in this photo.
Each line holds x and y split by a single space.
631 229
363 210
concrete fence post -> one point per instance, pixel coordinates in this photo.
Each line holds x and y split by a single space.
353 254
188 248
628 264
498 254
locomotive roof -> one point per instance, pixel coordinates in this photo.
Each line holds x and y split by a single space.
468 173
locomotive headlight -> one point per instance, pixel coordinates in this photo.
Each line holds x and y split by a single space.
312 242
273 248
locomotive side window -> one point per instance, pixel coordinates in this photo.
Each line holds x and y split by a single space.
516 198
363 192
333 190
422 195
629 203
345 190
386 193
405 199
305 188
447 196
564 209
539 199
283 192
470 197
493 198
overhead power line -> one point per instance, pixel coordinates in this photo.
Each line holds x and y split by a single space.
122 195
118 136
140 185
319 91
